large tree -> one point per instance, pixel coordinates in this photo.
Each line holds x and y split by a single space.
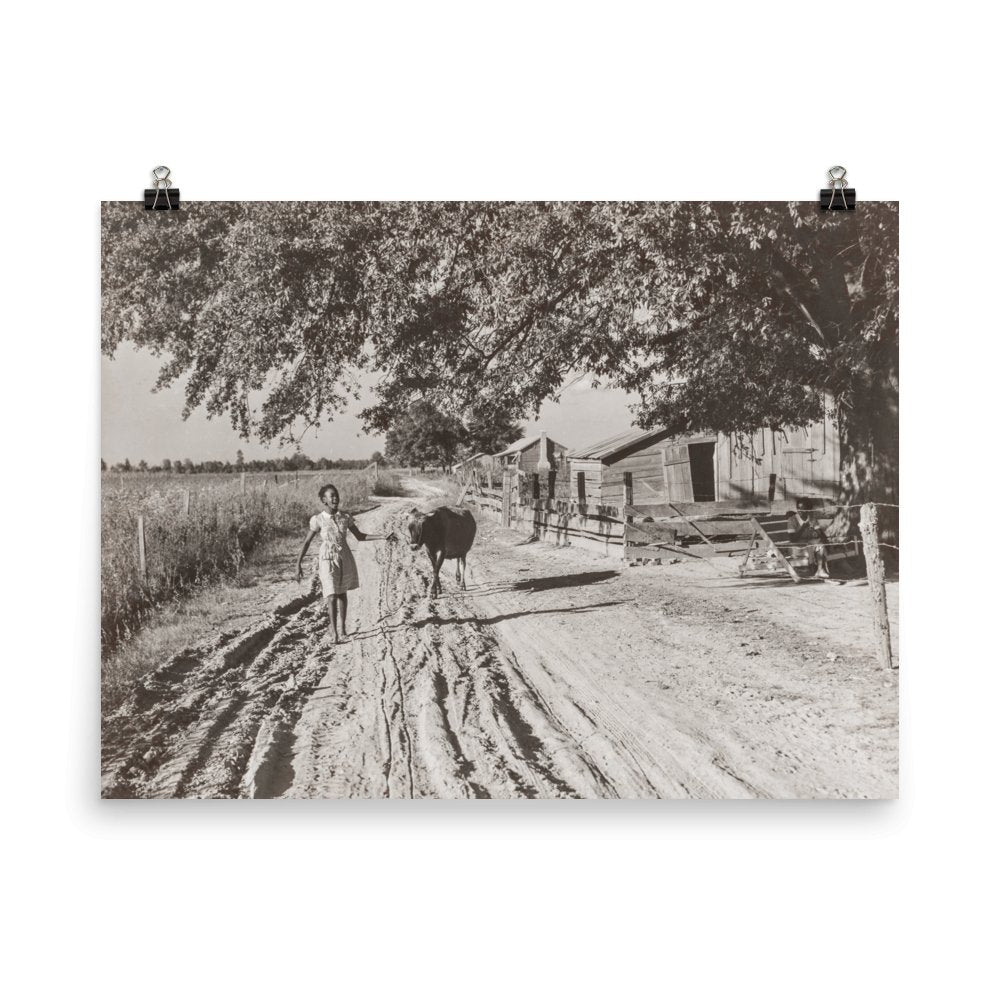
423 436
726 316
489 429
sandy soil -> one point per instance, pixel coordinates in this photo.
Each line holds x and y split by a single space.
559 673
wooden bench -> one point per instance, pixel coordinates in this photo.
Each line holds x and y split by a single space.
785 555
781 551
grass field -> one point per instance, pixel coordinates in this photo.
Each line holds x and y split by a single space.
199 529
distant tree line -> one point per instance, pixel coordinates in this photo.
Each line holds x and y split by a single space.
426 436
298 462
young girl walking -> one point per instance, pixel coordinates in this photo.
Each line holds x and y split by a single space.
338 573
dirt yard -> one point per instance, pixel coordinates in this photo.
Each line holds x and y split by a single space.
559 673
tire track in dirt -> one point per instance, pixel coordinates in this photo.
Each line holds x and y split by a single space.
480 726
460 705
655 751
489 719
449 711
189 728
541 681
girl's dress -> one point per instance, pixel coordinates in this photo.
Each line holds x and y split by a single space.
337 570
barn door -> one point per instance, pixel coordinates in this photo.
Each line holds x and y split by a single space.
677 473
703 471
797 471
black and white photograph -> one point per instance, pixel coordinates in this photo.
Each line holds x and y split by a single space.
497 499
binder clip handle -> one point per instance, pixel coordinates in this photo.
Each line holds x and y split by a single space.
161 196
838 197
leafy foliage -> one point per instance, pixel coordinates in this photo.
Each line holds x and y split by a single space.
489 431
424 436
727 316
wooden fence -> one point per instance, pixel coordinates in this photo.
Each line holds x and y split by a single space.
558 522
638 534
626 531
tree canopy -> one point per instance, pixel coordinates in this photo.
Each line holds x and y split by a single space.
424 436
723 316
489 431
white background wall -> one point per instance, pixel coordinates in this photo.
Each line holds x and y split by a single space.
517 100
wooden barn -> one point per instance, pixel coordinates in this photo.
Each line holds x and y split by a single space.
542 464
653 467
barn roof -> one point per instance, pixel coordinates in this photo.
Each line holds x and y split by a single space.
619 442
522 445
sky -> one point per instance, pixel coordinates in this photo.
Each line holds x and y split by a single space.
137 423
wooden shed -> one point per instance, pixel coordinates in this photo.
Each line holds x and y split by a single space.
652 467
542 464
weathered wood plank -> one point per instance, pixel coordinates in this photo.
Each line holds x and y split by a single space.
665 552
735 506
643 460
677 473
653 529
730 548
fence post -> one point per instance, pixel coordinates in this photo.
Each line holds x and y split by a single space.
626 499
243 482
505 503
142 546
187 502
876 583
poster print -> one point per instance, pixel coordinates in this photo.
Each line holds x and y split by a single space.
499 499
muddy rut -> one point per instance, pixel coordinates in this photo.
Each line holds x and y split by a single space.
547 678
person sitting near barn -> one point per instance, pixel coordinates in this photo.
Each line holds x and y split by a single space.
810 539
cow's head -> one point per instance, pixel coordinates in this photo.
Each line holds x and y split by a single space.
415 527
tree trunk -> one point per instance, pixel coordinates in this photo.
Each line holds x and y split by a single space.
869 459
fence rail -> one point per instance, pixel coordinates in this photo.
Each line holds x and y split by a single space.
644 531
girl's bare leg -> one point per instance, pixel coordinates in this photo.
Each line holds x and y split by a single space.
342 600
333 618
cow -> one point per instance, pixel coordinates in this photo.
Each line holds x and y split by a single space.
446 533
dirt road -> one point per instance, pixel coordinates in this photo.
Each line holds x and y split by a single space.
557 674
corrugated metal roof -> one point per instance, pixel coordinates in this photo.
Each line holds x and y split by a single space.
612 445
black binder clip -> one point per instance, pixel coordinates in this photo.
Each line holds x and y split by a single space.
838 197
162 197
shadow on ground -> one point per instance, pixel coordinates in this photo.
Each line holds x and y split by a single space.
565 580
479 620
